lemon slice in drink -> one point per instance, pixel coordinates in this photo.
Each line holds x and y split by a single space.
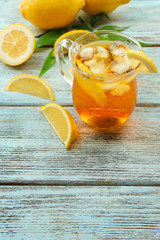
82 67
62 122
32 85
147 65
91 88
72 35
17 44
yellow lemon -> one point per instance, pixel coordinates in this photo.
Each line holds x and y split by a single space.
62 122
102 6
32 85
136 58
51 14
17 44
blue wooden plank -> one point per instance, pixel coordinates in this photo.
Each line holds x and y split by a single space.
31 152
65 213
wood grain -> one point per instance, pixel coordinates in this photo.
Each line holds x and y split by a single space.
30 152
79 213
148 85
134 14
122 162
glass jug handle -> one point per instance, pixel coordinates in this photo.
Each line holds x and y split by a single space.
60 59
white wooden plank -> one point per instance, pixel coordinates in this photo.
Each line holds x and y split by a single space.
31 152
79 213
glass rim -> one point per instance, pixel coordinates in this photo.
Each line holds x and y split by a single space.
104 78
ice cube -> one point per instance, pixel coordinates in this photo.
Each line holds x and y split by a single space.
121 65
99 67
107 86
86 53
118 51
120 90
102 52
118 48
90 62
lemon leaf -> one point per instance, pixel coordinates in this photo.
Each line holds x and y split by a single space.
143 44
113 37
84 24
50 60
49 38
81 27
98 17
113 27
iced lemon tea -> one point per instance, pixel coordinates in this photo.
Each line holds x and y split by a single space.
104 86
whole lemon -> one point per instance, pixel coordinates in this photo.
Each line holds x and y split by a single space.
94 7
51 14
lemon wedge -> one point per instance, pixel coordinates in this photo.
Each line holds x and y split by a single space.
17 44
32 85
147 65
72 35
62 122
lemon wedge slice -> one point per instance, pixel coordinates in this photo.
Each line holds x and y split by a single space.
17 44
32 85
62 122
147 65
92 88
72 35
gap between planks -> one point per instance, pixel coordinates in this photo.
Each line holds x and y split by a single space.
37 105
69 105
82 183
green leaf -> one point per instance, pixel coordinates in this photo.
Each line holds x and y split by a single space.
79 26
113 37
81 21
84 24
50 60
113 27
97 17
143 44
106 16
41 34
49 38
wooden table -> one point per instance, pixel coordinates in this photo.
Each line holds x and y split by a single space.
107 185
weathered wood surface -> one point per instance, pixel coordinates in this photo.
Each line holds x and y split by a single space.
79 213
148 85
31 152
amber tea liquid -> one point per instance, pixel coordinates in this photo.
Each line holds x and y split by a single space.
104 86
